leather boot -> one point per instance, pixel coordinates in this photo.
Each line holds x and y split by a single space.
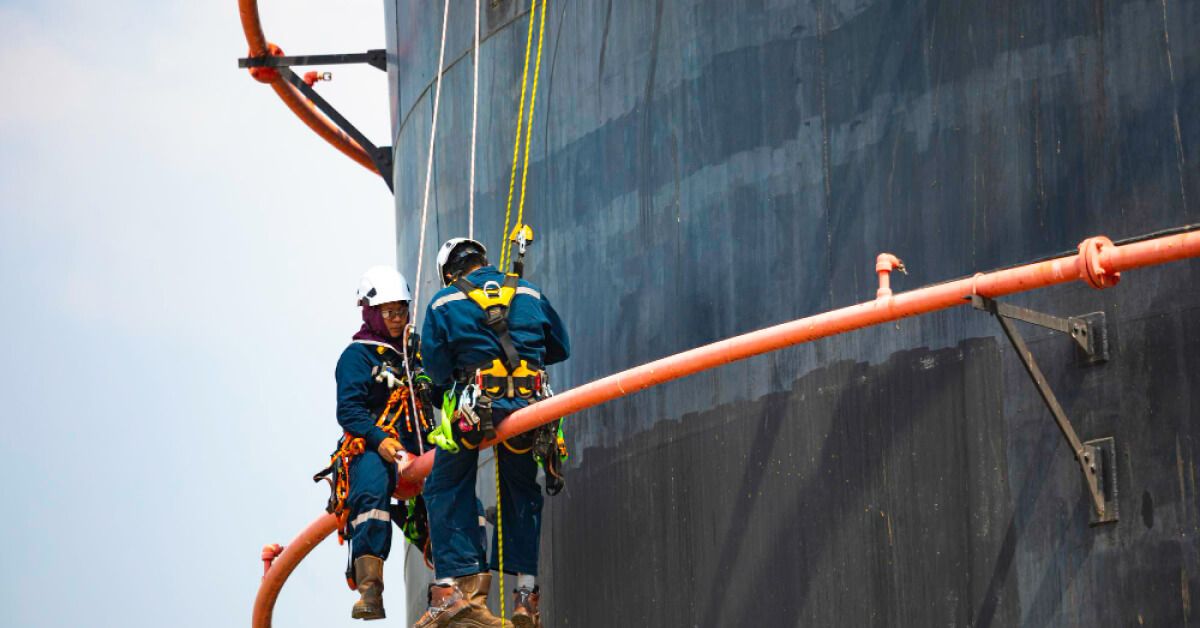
446 604
475 589
525 608
368 573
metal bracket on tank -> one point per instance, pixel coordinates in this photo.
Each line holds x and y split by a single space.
375 58
1096 458
381 156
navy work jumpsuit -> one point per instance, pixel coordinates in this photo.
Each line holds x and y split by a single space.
360 401
456 336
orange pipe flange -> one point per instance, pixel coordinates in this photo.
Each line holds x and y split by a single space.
301 106
1091 270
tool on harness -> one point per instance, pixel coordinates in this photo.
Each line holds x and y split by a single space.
442 436
550 451
464 421
474 417
412 518
387 375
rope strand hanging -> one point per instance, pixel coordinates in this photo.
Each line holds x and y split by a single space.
537 70
437 97
474 124
504 244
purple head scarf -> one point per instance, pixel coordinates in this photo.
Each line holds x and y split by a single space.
374 329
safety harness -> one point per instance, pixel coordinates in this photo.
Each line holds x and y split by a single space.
508 377
337 474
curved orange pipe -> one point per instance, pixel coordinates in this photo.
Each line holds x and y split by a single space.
1099 263
305 110
282 567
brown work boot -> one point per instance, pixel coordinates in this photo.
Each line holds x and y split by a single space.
475 588
446 604
368 573
525 608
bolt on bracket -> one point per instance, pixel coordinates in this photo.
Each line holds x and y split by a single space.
1096 458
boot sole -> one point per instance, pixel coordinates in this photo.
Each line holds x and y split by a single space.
367 614
522 621
447 615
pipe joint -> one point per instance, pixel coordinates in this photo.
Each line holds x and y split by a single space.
408 487
269 554
884 265
1090 268
264 74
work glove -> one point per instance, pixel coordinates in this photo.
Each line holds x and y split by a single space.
390 450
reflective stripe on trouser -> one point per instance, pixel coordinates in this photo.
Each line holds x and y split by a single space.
371 484
458 548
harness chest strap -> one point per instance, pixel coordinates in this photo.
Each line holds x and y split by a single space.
495 299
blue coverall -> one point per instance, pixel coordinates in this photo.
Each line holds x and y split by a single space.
360 401
456 336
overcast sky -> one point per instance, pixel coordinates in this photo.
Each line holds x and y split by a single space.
178 259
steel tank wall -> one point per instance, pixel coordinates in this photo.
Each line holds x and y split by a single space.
701 169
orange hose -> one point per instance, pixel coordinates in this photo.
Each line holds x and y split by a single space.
301 106
282 567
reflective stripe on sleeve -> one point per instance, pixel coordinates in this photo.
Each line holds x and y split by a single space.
381 515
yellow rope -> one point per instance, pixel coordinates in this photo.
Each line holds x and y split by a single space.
505 245
537 70
512 177
499 534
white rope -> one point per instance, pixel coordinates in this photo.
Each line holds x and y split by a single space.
474 119
415 418
437 97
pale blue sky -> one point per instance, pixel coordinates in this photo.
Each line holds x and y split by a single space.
178 258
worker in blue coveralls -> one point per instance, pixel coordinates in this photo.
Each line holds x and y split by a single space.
367 373
492 335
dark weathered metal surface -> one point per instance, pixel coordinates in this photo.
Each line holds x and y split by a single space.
705 168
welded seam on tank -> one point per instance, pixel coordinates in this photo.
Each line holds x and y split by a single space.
825 150
549 175
1180 158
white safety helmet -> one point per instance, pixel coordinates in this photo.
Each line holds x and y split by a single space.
382 284
444 254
